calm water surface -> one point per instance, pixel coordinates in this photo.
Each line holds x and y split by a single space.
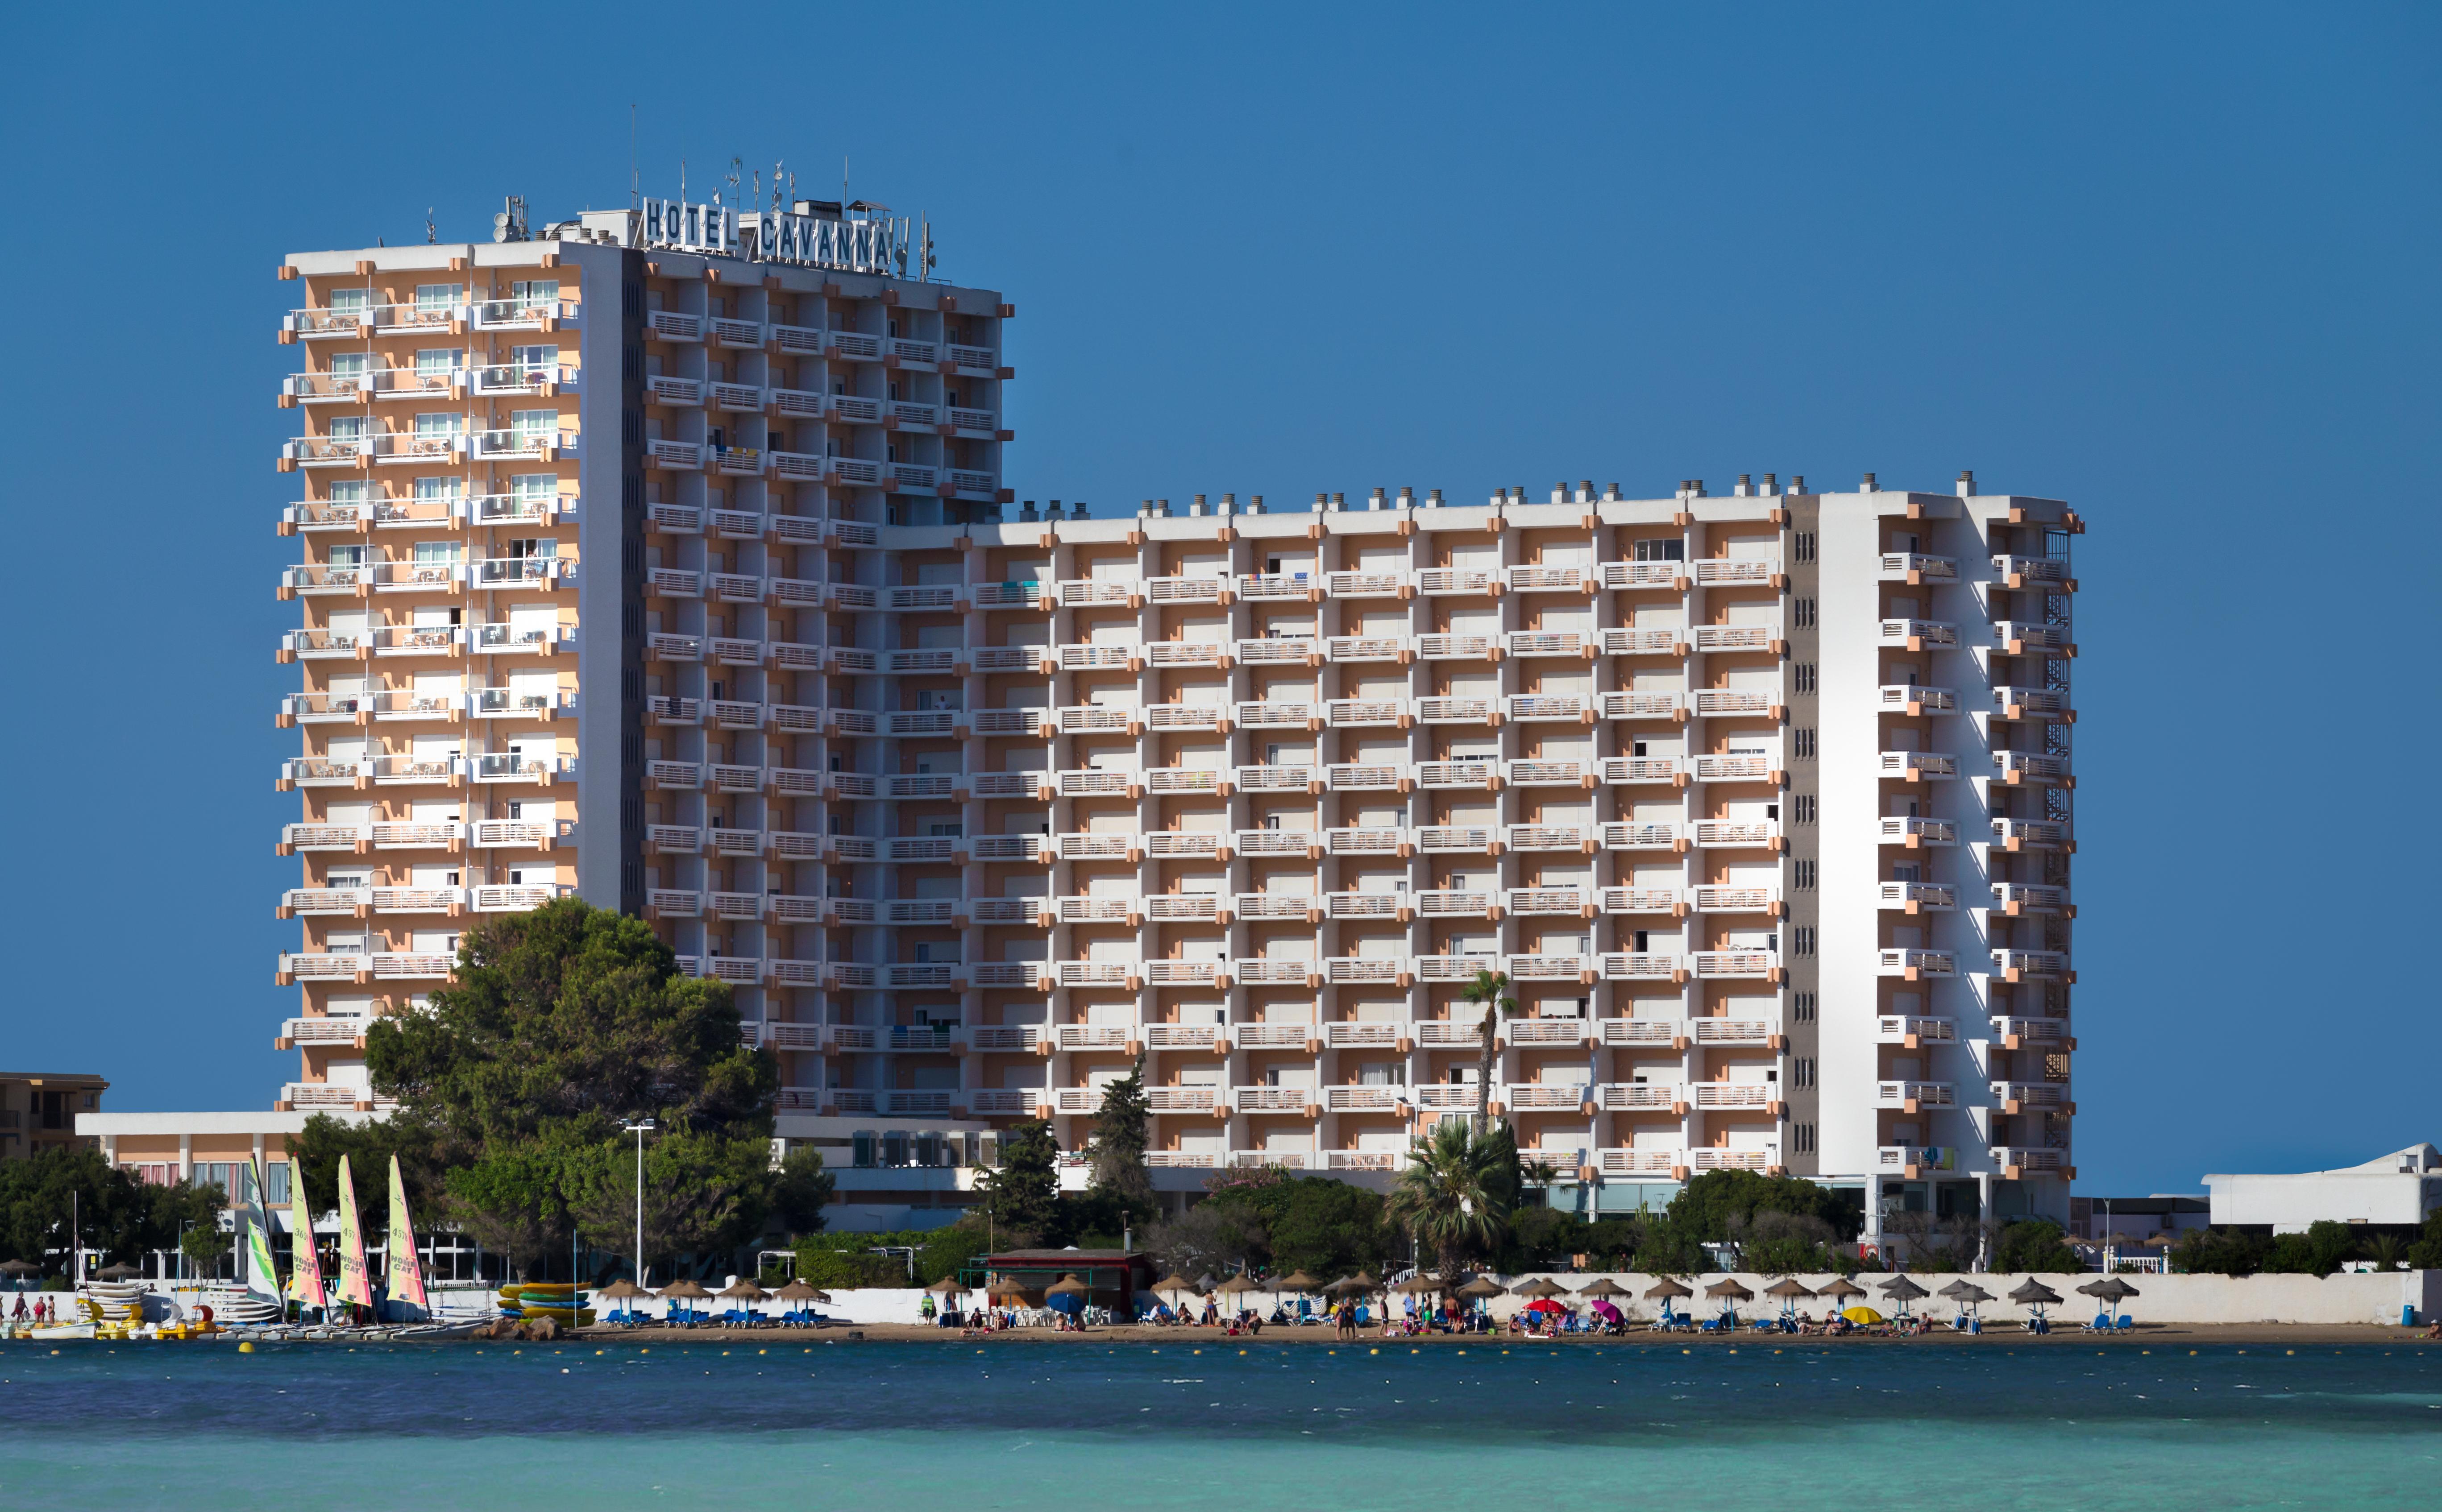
1081 1425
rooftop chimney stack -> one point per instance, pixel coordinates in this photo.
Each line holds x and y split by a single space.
1745 487
1868 486
1966 485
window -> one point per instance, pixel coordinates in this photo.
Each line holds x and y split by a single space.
1802 612
349 300
1805 742
1803 674
1801 1073
1802 806
1802 1137
540 423
535 291
434 362
1802 939
1662 549
436 424
1801 1007
1801 546
1805 876
434 296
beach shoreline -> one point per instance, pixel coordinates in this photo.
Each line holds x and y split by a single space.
2144 1335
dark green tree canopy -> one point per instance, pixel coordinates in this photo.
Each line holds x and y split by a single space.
1116 1159
116 1212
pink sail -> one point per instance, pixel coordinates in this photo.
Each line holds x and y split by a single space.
406 1281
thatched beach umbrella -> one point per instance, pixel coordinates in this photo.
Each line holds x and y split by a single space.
685 1290
949 1287
1419 1285
1540 1287
2110 1291
1068 1285
744 1289
800 1291
1665 1286
1237 1285
121 1272
2035 1296
1482 1288
1904 1291
1173 1284
1363 1284
1297 1281
1729 1286
1839 1287
1789 1287
1604 1287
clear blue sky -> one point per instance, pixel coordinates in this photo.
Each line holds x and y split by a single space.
2175 265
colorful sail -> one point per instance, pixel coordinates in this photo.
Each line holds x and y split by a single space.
406 1272
356 1284
261 1274
305 1261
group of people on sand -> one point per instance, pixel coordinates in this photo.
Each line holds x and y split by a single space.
41 1315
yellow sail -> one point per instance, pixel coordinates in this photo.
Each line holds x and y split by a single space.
406 1270
356 1285
305 1261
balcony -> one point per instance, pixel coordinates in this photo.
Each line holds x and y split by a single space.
513 704
1915 568
1550 837
1345 777
2033 572
1272 1099
1638 836
1279 586
1382 905
1669 574
1735 1097
1455 711
2030 835
2027 767
1643 706
1912 1162
1548 707
1914 1032
1568 902
1756 572
1366 712
1450 903
1917 766
1664 770
1442 581
1917 635
1649 642
1642 966
1544 1031
1368 584
1569 579
1918 897
1549 643
2019 638
1913 1097
1367 1099
2026 1097
2029 703
1745 965
2033 1033
1435 774
1368 648
1913 701
1719 900
1457 647
1547 1097
1916 965
1742 768
2018 1162
1733 833
1763 1033
1915 832
2033 965
524 315
1739 638
1630 1032
1643 900
2015 897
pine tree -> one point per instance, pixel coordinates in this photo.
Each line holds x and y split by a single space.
1117 1158
1025 1190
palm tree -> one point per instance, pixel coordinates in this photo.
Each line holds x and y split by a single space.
1491 988
1446 1198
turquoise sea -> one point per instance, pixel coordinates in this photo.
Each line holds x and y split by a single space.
1067 1426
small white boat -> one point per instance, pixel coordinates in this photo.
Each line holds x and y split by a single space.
64 1331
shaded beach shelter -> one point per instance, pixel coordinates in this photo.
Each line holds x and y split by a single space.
743 1293
121 1272
1237 1285
1967 1294
796 1294
683 1291
621 1290
1603 1286
1363 1284
1732 1291
1066 1294
1839 1287
1539 1289
1904 1291
2110 1291
1419 1285
1788 1290
2035 1296
949 1287
1666 1290
1297 1281
1482 1288
1174 1283
19 1269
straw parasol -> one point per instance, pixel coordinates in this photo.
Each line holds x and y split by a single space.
120 1271
1297 1281
621 1291
800 1291
949 1287
1789 1287
1968 1295
1363 1284
2034 1293
1899 1289
1839 1287
1540 1287
1604 1287
1728 1286
1237 1285
1068 1285
19 1267
1481 1289
1174 1283
1960 1288
1418 1286
685 1290
2111 1289
744 1289
1665 1286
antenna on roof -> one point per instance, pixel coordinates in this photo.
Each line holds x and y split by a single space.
431 235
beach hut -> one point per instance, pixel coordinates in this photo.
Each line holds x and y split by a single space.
2110 1291
682 1292
1664 1290
623 1291
1788 1290
1902 1291
1732 1291
2035 1296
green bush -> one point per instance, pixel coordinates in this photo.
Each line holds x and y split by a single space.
2034 1244
2318 1252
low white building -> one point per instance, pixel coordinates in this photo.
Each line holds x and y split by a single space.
2400 1188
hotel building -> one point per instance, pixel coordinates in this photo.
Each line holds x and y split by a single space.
662 559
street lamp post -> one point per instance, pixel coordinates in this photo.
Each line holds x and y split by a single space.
640 1127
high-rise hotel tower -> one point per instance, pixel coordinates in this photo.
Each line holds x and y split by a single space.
662 559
